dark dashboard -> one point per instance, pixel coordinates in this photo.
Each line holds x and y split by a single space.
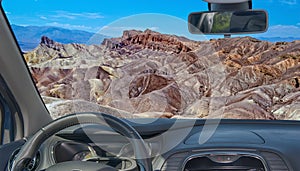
177 145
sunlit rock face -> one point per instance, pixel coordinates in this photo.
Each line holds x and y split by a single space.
148 74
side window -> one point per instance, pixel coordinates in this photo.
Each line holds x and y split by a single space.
11 122
2 119
6 121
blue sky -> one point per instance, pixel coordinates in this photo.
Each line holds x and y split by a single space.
92 15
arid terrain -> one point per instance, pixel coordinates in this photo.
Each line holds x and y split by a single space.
148 74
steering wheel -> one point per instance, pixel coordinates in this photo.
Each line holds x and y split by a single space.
31 147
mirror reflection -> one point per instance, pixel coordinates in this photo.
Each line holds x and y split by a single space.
228 22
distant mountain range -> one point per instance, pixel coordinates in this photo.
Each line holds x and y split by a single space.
30 36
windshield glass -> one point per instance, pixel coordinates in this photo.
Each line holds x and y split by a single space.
137 59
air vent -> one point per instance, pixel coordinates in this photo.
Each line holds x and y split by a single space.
174 162
220 162
31 165
274 161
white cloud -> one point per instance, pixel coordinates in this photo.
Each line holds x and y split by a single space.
92 15
43 18
289 2
283 31
129 28
72 16
73 27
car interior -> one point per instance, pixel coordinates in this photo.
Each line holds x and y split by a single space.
151 100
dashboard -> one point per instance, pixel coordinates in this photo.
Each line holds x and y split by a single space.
234 145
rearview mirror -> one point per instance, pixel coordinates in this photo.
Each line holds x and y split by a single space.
228 22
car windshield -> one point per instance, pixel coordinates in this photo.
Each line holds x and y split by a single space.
137 59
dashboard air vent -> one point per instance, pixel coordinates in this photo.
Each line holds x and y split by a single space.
32 165
174 162
221 162
274 161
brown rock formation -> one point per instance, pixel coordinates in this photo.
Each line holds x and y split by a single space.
149 74
137 40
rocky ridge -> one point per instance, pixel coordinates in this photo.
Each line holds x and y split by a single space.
148 74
